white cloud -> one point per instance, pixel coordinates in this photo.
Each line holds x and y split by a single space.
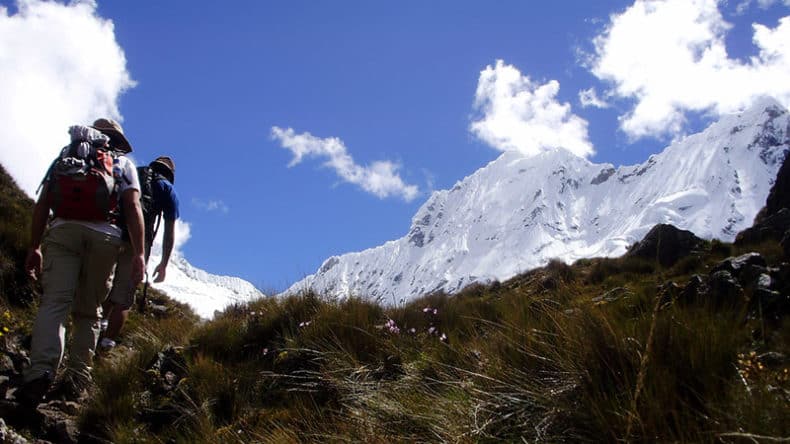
210 205
589 97
380 178
517 114
670 57
60 65
183 231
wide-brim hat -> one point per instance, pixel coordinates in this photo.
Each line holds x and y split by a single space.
112 129
168 167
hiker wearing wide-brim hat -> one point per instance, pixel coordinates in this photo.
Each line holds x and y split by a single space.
159 201
113 130
165 166
74 252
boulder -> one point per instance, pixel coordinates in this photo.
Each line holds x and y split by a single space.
769 304
735 264
58 426
693 290
665 243
724 289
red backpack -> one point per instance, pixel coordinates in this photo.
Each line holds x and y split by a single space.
81 185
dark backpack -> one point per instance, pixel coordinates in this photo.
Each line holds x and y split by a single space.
80 182
151 217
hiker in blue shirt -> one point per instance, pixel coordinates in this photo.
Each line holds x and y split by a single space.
159 201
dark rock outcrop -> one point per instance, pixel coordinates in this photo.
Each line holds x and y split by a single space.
772 227
665 243
724 289
779 197
773 220
696 287
744 281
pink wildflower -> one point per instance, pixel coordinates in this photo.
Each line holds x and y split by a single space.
443 338
392 326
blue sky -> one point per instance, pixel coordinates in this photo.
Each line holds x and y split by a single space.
302 130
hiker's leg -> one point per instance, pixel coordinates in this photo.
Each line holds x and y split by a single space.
118 317
62 248
98 262
121 297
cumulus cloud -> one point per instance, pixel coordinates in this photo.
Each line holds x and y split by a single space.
380 178
60 65
210 205
517 114
670 57
183 231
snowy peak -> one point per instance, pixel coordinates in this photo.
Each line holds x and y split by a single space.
206 293
517 213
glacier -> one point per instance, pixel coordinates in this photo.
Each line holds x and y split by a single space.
517 213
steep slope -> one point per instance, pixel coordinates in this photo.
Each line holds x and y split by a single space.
15 214
206 293
516 213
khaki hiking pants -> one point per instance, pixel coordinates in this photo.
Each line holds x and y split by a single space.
76 274
122 293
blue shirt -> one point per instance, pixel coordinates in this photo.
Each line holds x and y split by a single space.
165 199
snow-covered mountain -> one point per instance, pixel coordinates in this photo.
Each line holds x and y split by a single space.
203 291
519 212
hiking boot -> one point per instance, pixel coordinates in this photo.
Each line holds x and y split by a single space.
106 344
31 394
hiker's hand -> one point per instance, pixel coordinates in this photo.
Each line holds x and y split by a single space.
138 269
160 272
33 263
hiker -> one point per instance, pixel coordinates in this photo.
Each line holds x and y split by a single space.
74 253
158 200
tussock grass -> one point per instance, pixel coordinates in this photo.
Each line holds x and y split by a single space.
600 350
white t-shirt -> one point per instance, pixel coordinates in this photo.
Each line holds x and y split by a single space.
125 174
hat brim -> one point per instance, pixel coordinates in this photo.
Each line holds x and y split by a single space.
119 141
168 173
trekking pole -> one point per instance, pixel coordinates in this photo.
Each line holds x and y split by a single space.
141 301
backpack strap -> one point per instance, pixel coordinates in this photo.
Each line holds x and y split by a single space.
47 176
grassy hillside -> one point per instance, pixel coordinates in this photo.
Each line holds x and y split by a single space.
15 213
603 350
